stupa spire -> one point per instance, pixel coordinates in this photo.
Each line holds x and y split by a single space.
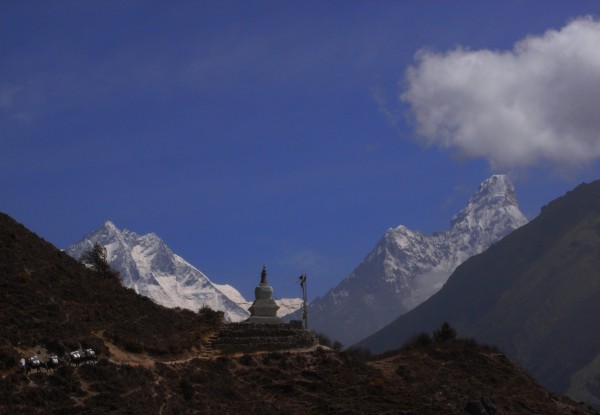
263 276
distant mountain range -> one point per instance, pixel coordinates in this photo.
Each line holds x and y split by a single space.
535 294
406 267
147 265
150 359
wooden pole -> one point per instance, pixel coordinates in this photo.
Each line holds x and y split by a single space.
304 301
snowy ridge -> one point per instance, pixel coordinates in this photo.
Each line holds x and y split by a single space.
288 306
407 267
148 266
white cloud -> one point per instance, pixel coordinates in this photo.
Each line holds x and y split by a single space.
539 102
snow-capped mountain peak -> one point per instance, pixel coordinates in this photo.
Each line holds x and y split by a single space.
491 213
109 226
406 267
494 193
496 186
147 265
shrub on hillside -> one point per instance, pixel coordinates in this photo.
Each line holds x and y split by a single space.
357 353
209 313
444 333
420 340
95 259
324 340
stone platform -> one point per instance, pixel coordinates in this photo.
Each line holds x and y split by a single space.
250 338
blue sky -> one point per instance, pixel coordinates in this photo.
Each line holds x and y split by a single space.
288 133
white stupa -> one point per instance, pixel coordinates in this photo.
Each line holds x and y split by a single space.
264 309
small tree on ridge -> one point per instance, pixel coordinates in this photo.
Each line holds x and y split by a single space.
95 259
444 333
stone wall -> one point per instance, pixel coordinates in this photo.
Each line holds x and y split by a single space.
249 338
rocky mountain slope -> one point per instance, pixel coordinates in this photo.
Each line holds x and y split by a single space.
535 294
406 267
148 266
150 363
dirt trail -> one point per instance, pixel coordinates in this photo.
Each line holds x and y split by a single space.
120 356
123 357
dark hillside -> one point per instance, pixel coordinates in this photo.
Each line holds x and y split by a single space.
535 294
420 379
48 299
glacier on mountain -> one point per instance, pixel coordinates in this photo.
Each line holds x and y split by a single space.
406 267
148 266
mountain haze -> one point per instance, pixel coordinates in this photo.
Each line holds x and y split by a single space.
406 267
535 294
